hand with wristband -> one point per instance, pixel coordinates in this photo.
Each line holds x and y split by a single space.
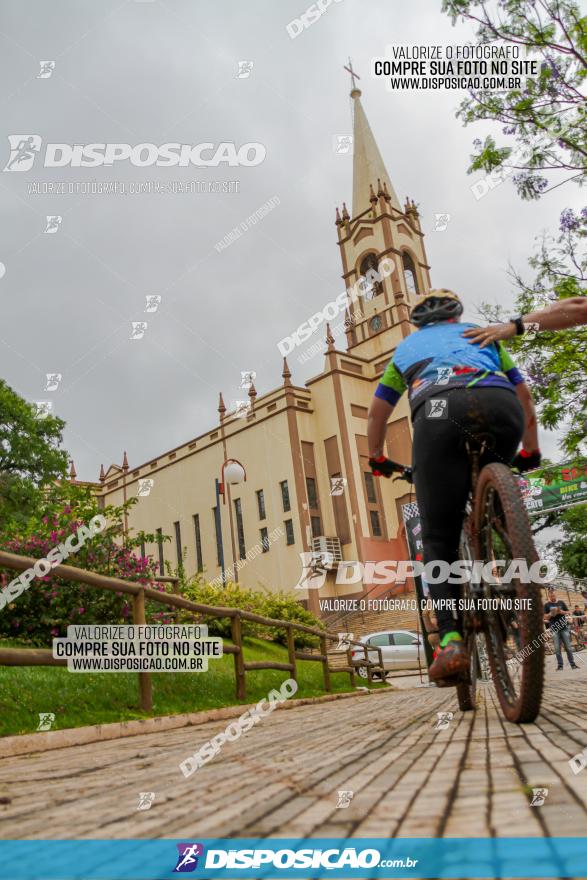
527 461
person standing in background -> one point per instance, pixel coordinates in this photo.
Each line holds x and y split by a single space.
556 616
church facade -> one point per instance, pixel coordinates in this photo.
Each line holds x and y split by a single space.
308 487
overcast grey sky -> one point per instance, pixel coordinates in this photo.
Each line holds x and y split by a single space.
157 72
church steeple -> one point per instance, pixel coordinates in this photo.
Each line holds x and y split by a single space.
368 166
381 247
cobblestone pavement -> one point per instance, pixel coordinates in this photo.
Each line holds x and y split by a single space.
282 777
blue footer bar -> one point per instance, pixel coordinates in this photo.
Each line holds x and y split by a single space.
527 857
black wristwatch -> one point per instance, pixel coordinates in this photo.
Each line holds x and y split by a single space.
520 329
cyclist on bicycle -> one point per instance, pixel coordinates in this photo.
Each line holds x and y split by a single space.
456 392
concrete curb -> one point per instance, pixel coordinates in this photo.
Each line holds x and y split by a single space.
29 743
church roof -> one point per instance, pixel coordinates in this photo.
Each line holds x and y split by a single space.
368 165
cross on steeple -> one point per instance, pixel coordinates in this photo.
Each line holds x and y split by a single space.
352 73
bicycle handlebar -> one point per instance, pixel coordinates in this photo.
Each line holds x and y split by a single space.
384 467
406 473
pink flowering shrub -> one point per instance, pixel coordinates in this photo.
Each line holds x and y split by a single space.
52 603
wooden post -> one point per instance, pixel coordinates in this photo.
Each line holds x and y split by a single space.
291 650
326 670
239 660
380 653
349 656
369 675
145 684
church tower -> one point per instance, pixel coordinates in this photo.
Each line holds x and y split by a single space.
309 492
378 235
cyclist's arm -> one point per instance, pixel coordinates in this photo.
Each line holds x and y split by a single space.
379 413
391 387
561 315
530 436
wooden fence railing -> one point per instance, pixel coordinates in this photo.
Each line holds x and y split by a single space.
139 593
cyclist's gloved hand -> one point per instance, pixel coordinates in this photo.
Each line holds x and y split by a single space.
527 461
383 467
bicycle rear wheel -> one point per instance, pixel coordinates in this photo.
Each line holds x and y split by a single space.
514 647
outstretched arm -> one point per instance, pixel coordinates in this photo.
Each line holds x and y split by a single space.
560 315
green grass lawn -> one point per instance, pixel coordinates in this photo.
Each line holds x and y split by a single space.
78 699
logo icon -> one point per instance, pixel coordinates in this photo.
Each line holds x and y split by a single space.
337 485
247 378
436 408
441 222
46 719
23 150
314 570
187 860
344 799
342 143
241 408
145 487
244 69
444 719
153 302
43 407
146 799
344 640
53 224
53 380
138 329
47 68
539 795
444 375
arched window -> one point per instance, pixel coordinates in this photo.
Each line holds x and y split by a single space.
410 273
369 276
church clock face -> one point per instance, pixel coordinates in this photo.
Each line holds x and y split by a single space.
375 323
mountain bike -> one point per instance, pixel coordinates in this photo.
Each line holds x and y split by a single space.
506 620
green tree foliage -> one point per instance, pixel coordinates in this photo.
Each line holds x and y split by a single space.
278 606
30 455
555 362
546 117
571 549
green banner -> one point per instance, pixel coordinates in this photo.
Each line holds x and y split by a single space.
560 487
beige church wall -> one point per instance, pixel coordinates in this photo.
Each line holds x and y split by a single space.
180 489
356 395
316 428
265 452
186 486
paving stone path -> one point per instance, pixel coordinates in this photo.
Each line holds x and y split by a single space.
282 777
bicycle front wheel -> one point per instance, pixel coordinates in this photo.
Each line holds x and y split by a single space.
513 621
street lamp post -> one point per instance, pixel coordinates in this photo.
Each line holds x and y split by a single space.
232 473
219 531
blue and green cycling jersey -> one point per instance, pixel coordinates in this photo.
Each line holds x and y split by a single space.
438 358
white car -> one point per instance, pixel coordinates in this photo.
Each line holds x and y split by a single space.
399 648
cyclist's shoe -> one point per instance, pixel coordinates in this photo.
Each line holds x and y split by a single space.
451 664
